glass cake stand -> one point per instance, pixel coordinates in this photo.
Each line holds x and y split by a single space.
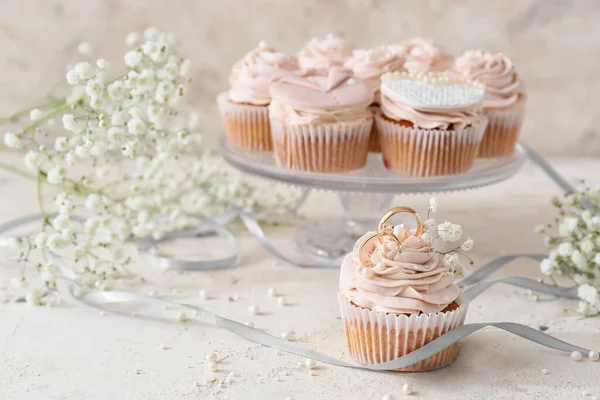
365 193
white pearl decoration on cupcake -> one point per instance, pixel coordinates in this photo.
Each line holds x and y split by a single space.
432 90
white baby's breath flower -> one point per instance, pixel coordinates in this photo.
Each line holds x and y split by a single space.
84 70
32 160
565 249
579 260
55 242
40 240
467 245
102 63
131 38
433 204
93 202
119 118
547 266
451 260
33 298
76 96
61 144
587 246
49 271
84 48
56 175
61 222
588 293
133 58
35 114
19 282
185 67
539 229
449 232
597 259
583 307
429 224
72 77
12 141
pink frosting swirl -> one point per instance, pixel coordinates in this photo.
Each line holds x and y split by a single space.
318 56
438 118
369 65
423 55
504 88
414 280
250 77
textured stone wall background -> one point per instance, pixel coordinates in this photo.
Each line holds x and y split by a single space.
554 43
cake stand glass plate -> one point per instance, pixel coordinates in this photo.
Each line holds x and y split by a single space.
365 193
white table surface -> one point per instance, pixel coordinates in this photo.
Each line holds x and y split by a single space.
73 352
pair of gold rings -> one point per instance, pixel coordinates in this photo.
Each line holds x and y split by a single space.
383 230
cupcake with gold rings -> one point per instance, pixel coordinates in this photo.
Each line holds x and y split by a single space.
429 124
244 109
397 292
504 102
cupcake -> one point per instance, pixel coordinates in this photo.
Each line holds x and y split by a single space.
319 56
397 294
369 65
423 55
429 125
504 102
321 123
244 108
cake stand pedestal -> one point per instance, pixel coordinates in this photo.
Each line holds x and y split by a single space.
365 194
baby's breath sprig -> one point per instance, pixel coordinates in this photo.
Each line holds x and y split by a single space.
128 158
574 242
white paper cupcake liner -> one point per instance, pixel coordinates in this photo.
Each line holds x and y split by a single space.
375 337
502 133
246 126
334 147
374 143
428 152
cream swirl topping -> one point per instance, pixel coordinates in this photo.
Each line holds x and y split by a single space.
504 87
369 65
318 56
423 55
414 278
250 77
298 116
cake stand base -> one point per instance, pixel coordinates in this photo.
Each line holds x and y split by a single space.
331 239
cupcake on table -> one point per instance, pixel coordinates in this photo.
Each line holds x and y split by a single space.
369 65
244 109
397 293
423 55
320 55
321 123
504 102
429 124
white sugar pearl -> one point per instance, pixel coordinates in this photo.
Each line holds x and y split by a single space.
576 356
366 272
211 356
386 397
545 371
351 81
286 335
392 245
253 310
182 317
312 372
163 346
249 323
379 267
262 44
594 398
593 355
213 366
282 301
310 363
407 389
102 313
198 384
272 292
202 294
152 294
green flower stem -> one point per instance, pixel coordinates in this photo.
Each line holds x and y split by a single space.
51 114
22 113
41 178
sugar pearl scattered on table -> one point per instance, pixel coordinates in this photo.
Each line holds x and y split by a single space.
286 335
312 372
197 384
253 309
202 294
272 292
213 366
545 371
163 346
386 397
249 323
212 356
282 301
182 317
138 371
576 356
407 389
310 363
593 355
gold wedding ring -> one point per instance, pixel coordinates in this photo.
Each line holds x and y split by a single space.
385 230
